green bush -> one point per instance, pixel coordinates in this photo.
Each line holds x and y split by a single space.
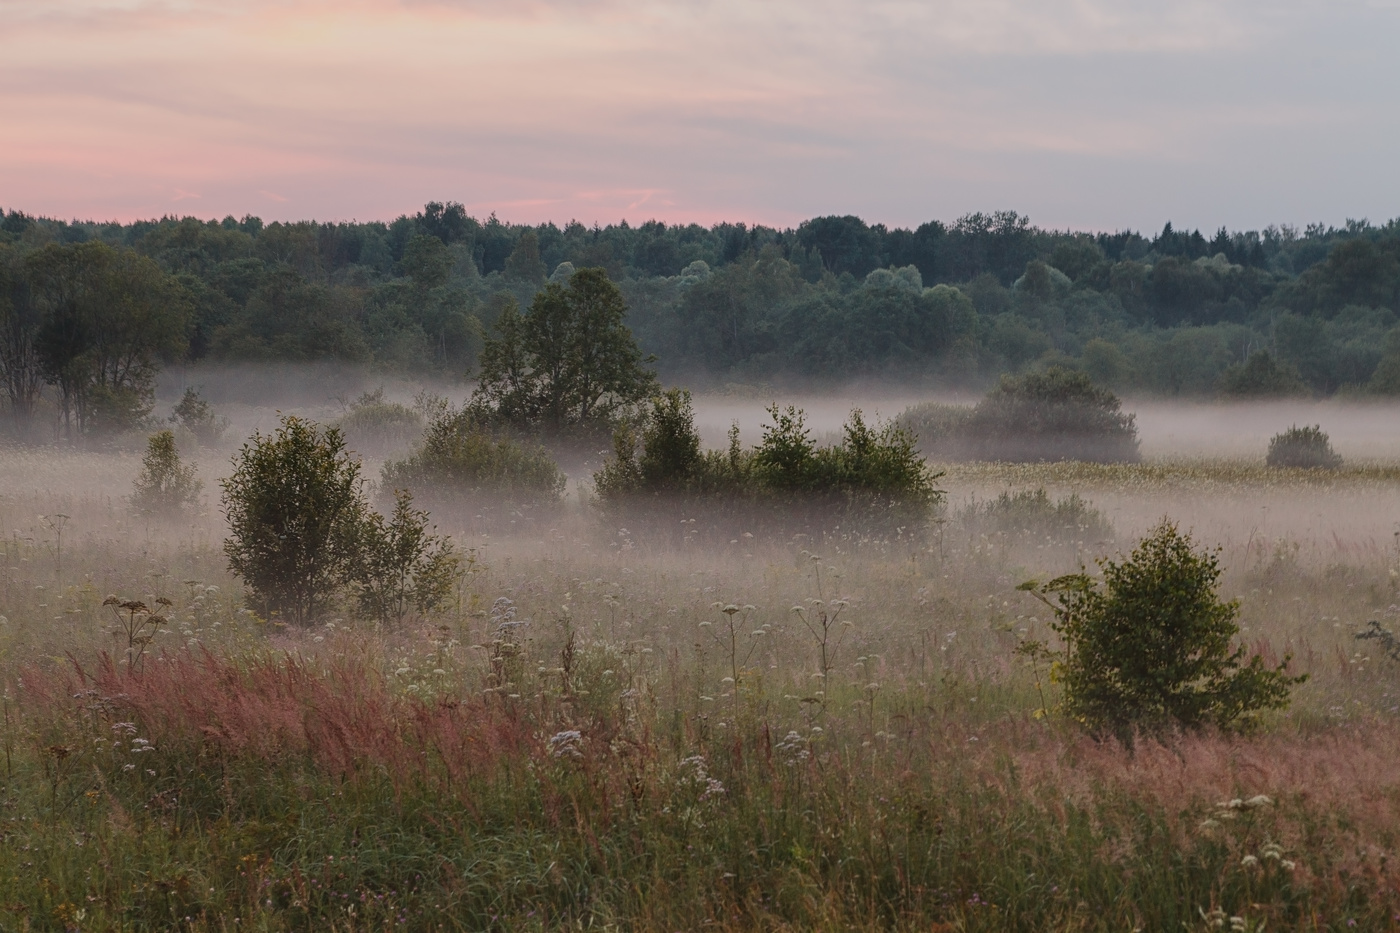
165 486
1152 647
873 479
461 458
295 509
400 566
1035 514
1058 414
1307 448
197 416
374 425
935 424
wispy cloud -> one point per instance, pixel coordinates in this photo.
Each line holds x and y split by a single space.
1079 111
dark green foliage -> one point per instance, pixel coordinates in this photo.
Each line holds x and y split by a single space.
1035 515
1261 376
568 367
197 416
460 457
1305 447
1058 414
400 566
954 304
873 480
1152 647
294 508
165 486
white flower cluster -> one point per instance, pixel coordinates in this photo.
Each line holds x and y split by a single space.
566 744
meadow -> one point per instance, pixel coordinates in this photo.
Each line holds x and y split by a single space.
605 732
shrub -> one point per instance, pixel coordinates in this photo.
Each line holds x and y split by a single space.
934 424
400 566
295 509
1152 647
197 416
461 457
873 478
1058 414
165 486
1308 448
374 425
1035 514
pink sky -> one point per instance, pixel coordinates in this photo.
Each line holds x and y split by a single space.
1083 113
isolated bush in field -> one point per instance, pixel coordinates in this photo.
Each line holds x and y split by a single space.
400 566
873 473
197 416
165 485
295 508
1308 448
1261 376
670 456
374 424
1152 647
1035 514
1058 414
461 456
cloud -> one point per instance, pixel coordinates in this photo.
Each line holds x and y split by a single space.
700 108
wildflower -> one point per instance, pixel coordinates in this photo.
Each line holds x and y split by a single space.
1259 800
1272 851
1286 865
566 744
1250 861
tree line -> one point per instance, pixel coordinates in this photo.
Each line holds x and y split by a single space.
89 310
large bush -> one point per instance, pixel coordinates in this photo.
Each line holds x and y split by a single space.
874 479
295 508
1308 448
1153 646
462 458
1058 414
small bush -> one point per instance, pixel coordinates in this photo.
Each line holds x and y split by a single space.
459 457
165 485
1058 414
1034 514
1152 647
934 424
376 426
197 416
1306 448
400 566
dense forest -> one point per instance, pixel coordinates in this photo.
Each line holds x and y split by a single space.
89 311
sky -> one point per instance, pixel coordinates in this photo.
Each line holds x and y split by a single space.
1084 114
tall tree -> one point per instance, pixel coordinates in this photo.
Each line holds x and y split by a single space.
569 364
21 370
108 316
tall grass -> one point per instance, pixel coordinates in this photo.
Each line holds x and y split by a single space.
564 746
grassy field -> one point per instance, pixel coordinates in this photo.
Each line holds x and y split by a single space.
587 739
